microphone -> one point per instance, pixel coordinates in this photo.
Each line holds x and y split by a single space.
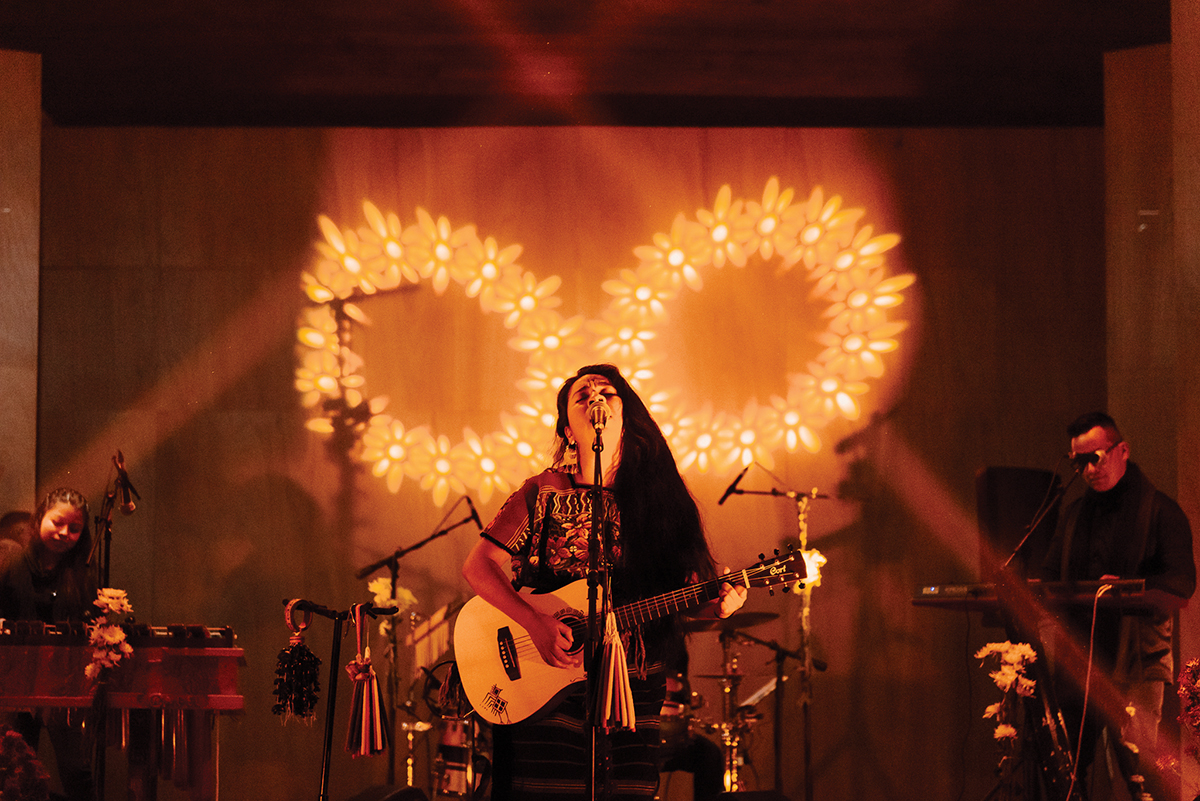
598 413
729 490
128 493
474 512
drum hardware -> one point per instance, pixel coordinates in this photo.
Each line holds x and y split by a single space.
410 728
738 620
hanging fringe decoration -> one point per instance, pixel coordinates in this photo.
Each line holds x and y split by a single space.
615 696
368 724
297 672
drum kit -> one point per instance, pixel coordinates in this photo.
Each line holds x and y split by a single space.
738 716
460 768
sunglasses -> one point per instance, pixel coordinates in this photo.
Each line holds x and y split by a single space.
1082 460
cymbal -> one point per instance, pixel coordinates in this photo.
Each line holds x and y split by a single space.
738 676
738 620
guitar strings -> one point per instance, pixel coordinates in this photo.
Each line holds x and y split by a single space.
652 608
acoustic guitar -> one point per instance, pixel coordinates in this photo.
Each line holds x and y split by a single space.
505 678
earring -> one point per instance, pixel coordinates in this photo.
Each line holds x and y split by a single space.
571 456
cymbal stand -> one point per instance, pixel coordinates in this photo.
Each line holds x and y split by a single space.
781 654
730 727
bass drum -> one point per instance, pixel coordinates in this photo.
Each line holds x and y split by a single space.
461 768
677 721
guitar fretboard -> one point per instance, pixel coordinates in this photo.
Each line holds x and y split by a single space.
676 601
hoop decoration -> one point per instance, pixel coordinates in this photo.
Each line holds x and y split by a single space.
297 672
843 262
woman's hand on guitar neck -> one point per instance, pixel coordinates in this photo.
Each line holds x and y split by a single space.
731 598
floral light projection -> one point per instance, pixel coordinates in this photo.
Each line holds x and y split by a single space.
844 263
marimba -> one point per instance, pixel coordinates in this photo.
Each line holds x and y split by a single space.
169 692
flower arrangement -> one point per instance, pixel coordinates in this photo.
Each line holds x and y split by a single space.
105 633
21 774
381 589
1189 704
1009 676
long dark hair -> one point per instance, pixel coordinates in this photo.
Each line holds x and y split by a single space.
73 561
662 537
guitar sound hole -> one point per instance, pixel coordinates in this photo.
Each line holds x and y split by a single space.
578 631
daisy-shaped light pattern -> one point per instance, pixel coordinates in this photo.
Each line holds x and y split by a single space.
319 376
856 353
380 257
642 294
432 247
755 435
864 252
773 223
383 250
546 372
845 265
394 452
843 262
796 431
548 333
702 440
825 229
526 441
318 330
620 338
541 409
729 231
447 466
639 372
519 296
479 265
865 298
822 395
679 254
485 468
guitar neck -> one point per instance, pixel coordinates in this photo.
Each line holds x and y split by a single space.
649 609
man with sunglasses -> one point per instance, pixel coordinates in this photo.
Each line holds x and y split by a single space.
1122 527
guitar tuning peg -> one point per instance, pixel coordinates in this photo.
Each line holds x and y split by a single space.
762 556
777 552
771 591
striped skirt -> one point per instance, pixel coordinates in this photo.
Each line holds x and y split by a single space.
549 758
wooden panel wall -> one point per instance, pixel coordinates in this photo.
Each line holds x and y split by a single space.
20 195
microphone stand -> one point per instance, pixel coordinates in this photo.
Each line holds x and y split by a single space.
777 493
392 563
102 547
1041 513
803 655
599 579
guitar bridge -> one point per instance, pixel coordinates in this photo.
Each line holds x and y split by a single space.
508 653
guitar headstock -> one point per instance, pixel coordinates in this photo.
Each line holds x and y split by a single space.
782 570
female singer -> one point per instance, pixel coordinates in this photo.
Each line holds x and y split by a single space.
542 533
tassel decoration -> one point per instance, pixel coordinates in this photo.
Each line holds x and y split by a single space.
297 673
615 696
367 734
